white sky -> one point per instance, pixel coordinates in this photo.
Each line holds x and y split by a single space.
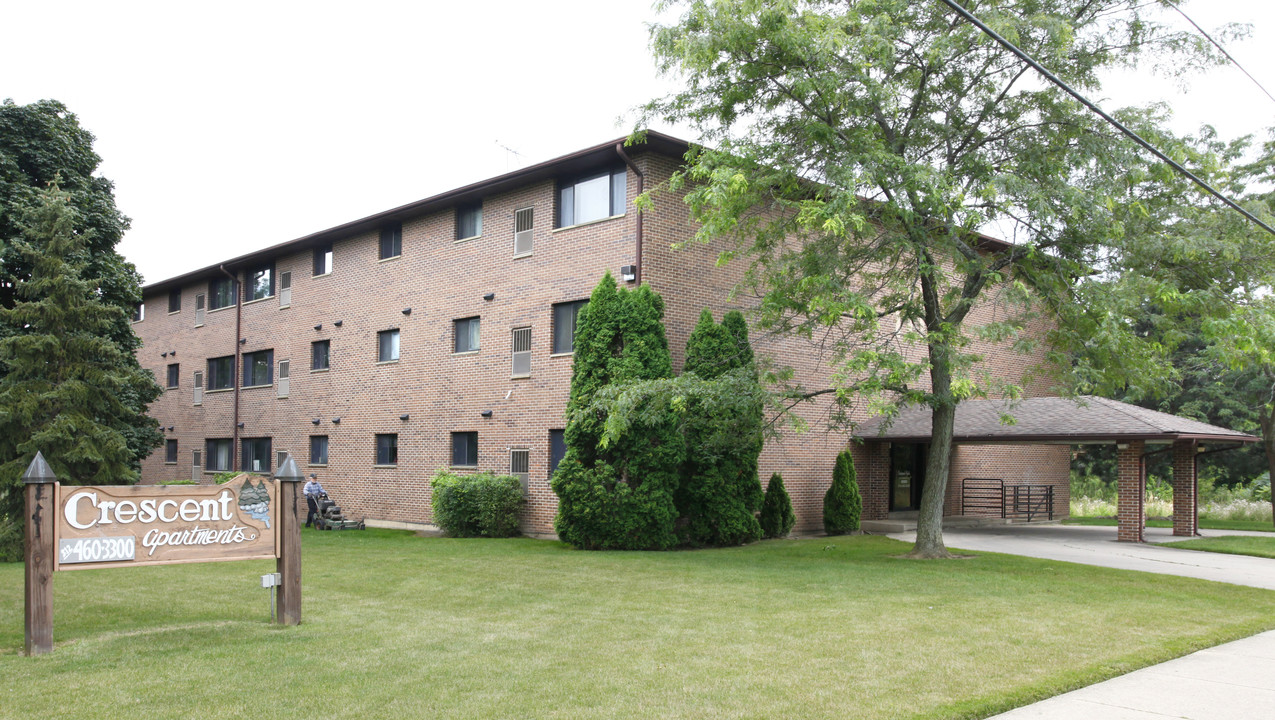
229 127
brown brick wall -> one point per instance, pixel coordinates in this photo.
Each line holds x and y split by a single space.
442 280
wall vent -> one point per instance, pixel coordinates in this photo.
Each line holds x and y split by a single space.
522 232
522 352
285 289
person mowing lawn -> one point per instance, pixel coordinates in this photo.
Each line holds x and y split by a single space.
312 491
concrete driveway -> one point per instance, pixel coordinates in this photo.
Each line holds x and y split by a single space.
1098 546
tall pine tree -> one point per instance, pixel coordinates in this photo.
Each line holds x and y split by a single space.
63 375
618 495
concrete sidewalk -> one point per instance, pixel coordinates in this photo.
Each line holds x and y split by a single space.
1098 546
1231 681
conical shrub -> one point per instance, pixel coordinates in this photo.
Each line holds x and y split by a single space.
842 505
777 518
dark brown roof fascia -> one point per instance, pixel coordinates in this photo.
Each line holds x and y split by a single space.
1069 439
577 161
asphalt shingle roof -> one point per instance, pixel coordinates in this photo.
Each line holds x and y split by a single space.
1086 419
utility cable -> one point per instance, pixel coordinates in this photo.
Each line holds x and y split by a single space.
1218 45
1116 123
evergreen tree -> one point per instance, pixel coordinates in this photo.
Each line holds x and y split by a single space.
41 143
63 376
738 327
777 518
842 505
618 495
720 491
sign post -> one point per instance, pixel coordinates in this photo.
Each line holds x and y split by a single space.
289 562
40 510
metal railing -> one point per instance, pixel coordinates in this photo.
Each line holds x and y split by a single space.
990 497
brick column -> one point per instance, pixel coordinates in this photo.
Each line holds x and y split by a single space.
1184 500
1129 489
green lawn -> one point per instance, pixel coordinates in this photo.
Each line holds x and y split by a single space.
1205 523
1230 544
403 627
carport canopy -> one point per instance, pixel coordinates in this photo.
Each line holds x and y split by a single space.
1084 420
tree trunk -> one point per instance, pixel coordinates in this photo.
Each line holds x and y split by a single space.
1267 422
929 525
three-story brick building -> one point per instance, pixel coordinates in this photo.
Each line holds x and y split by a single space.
439 334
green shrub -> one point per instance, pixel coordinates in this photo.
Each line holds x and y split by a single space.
719 493
222 478
777 518
178 482
842 504
479 505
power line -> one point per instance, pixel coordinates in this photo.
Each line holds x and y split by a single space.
1115 123
1218 45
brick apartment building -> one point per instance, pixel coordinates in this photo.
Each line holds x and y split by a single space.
439 334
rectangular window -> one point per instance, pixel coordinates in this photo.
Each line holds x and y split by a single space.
256 455
391 240
139 312
323 259
465 449
221 293
592 197
521 346
174 374
387 449
320 354
221 373
565 317
467 335
469 221
170 451
258 368
557 449
387 346
175 300
318 449
217 453
523 223
260 283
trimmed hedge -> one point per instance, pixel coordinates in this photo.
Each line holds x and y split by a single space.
479 505
842 504
777 518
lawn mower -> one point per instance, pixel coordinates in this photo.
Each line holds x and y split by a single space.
329 517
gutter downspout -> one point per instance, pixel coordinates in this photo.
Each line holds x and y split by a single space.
637 260
234 372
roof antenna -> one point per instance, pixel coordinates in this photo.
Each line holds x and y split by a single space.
510 154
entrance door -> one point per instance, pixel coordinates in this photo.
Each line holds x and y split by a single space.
907 476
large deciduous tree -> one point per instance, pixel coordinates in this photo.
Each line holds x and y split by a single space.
858 149
41 143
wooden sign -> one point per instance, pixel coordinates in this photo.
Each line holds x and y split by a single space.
127 525
72 527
